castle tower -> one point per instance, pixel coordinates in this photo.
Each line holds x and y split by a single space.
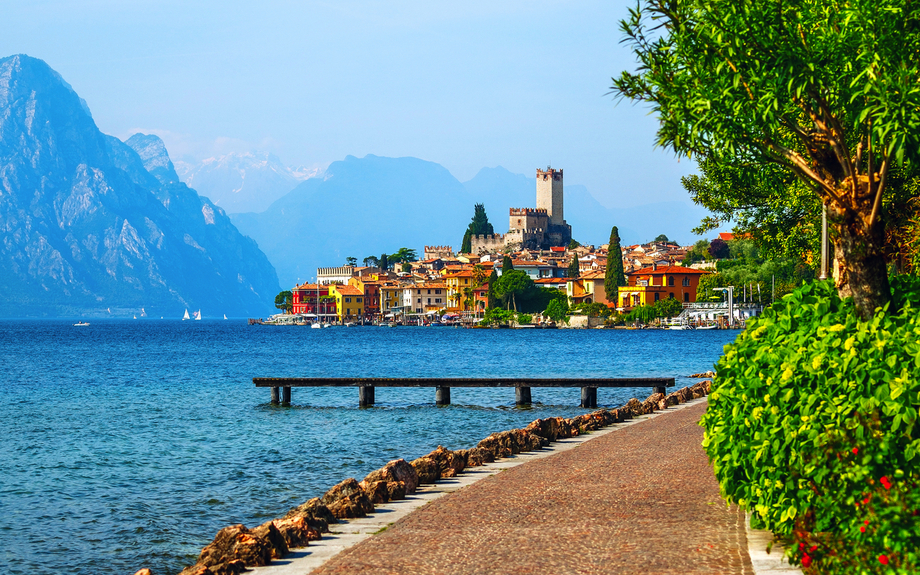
549 194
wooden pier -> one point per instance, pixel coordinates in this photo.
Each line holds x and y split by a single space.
281 386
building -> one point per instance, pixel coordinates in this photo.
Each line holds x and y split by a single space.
349 302
313 299
457 283
537 228
587 288
424 297
438 252
370 287
650 284
341 275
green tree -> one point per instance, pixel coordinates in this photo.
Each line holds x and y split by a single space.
351 261
371 262
403 255
698 253
507 264
406 267
824 89
572 271
662 239
497 316
614 277
491 295
512 284
556 310
479 275
718 249
573 244
384 262
285 301
668 307
479 225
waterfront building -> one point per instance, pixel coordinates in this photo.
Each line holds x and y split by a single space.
457 282
390 297
651 284
587 288
349 302
340 275
370 287
424 297
313 299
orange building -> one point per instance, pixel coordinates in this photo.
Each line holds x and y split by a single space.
648 285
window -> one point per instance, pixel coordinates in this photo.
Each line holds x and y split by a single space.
686 282
437 300
429 291
429 300
419 300
435 291
657 296
686 297
357 299
671 295
671 281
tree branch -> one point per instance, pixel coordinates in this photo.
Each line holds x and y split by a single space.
878 193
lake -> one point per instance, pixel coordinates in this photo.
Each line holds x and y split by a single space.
129 444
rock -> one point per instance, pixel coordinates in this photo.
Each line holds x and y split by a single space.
651 402
707 386
396 470
634 407
347 500
704 374
270 533
551 428
144 571
684 394
229 568
450 462
479 456
428 470
507 443
296 531
377 491
316 514
396 490
670 400
236 542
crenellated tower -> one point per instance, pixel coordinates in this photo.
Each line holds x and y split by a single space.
549 194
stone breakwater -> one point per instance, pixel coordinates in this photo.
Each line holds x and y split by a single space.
236 547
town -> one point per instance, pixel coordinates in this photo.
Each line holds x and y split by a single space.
556 281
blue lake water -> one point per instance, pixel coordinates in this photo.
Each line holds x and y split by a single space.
128 444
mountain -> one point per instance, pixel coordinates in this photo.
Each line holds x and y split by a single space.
90 224
244 182
361 207
500 189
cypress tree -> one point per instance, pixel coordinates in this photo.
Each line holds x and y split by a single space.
507 266
572 271
384 262
614 276
479 225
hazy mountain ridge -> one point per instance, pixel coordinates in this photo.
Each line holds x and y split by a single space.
243 182
84 226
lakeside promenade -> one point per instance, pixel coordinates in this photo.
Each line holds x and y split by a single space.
639 499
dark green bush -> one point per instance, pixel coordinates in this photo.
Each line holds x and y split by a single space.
811 426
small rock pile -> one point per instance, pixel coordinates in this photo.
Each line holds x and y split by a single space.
236 547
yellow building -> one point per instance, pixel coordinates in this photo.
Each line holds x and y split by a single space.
349 302
457 283
390 297
587 288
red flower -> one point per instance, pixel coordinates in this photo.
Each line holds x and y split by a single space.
801 546
862 528
885 482
813 547
866 500
883 559
866 521
855 450
806 560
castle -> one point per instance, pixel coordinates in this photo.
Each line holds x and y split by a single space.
537 228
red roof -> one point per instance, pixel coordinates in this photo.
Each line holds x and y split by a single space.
557 249
348 290
668 270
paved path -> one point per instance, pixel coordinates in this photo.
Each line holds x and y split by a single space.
640 500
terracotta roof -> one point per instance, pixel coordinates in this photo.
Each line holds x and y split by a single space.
557 249
668 270
460 274
593 275
348 290
550 281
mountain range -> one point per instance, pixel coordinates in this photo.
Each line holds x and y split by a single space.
243 182
367 206
91 225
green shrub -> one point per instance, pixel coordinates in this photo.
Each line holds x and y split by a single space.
811 426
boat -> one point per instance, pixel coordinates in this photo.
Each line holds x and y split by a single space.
186 316
350 324
225 316
81 324
198 315
135 317
710 326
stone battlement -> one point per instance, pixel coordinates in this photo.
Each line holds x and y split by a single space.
527 211
549 174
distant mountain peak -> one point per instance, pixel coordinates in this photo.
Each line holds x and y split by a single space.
32 69
156 160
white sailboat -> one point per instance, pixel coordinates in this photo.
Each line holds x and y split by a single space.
198 315
186 316
225 316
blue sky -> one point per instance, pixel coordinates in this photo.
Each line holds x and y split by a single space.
468 85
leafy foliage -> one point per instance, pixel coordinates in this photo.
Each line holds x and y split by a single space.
718 249
498 316
351 261
403 255
812 427
384 262
572 271
698 253
512 284
592 310
556 310
662 239
573 244
479 225
669 307
371 261
285 301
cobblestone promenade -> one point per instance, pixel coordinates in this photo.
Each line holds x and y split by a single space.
641 500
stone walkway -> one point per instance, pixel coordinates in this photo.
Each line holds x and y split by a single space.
640 500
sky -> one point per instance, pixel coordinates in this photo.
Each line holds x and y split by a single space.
518 84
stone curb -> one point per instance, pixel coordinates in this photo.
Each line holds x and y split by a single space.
349 532
764 563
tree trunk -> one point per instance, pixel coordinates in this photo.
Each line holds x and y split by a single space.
860 271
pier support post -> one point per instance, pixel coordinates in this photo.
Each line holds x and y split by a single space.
660 389
589 397
442 396
522 396
275 400
366 396
286 395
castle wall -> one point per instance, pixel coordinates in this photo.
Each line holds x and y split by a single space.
487 243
